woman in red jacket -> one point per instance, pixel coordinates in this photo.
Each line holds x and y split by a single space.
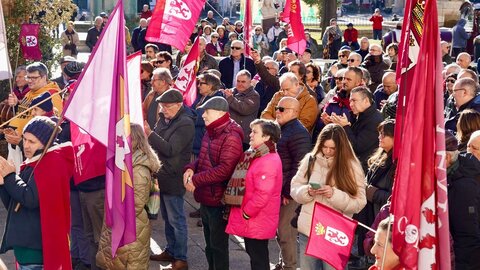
255 213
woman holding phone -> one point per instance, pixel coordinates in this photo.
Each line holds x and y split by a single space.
332 175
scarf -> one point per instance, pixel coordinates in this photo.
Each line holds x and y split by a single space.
342 99
220 121
236 185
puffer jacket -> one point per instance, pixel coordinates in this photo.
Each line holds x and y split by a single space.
261 201
308 108
294 144
134 255
340 200
224 152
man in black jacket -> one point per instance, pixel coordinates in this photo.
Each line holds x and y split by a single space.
293 145
172 139
231 65
269 82
94 33
362 132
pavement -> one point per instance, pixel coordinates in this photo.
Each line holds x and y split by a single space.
196 244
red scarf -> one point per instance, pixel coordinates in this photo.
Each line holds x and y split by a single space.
220 121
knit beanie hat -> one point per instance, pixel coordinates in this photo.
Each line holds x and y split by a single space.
47 106
41 127
73 69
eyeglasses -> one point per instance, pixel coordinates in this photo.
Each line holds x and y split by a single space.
214 37
282 109
351 60
450 81
342 55
153 80
459 89
236 48
338 78
258 30
32 78
200 83
160 61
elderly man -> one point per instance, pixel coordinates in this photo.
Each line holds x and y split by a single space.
290 87
465 96
208 175
172 139
206 60
94 33
151 51
231 65
473 145
364 46
161 82
293 145
464 60
384 90
362 132
375 65
210 19
62 80
243 102
136 31
446 58
354 60
268 84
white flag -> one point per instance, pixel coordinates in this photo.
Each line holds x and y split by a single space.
5 70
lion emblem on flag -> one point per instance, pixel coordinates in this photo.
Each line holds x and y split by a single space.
332 235
179 9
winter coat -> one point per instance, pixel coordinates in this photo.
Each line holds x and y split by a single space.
92 37
377 22
267 86
223 148
244 109
340 200
452 114
173 143
150 108
69 41
363 134
308 108
350 35
294 144
226 66
214 49
134 255
376 66
464 204
460 36
261 202
207 62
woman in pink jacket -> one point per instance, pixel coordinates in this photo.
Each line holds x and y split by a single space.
254 193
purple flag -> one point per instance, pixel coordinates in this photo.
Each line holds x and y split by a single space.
100 99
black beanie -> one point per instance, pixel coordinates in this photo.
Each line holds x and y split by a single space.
41 127
47 106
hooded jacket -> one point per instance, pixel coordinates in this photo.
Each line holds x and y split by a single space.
460 36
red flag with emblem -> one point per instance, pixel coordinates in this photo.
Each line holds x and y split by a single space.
186 79
29 42
173 21
296 33
331 236
419 201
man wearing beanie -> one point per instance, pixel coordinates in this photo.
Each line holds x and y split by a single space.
42 105
172 139
208 175
62 79
38 223
463 172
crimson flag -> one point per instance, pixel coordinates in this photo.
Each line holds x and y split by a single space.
331 236
173 21
29 42
419 200
296 33
285 15
186 79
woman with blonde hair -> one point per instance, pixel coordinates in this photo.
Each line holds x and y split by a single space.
134 255
332 175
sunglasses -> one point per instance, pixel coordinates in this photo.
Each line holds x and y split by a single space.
214 37
281 109
236 48
338 78
342 55
451 80
160 61
351 60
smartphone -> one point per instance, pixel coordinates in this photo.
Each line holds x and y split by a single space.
315 185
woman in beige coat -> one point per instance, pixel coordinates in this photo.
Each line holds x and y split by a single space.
134 255
70 41
332 175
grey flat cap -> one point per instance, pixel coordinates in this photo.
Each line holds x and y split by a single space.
171 96
216 103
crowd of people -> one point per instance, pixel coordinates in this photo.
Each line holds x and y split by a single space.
269 135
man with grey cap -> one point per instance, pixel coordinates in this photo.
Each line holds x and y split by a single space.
172 139
207 176
62 80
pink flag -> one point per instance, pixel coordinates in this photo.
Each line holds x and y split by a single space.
285 15
99 104
296 33
172 22
186 79
419 200
134 62
247 26
331 236
29 42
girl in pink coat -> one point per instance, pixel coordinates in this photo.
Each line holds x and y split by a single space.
253 193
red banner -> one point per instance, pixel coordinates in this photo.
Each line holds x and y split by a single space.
296 33
247 27
331 236
187 77
29 42
172 22
419 200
